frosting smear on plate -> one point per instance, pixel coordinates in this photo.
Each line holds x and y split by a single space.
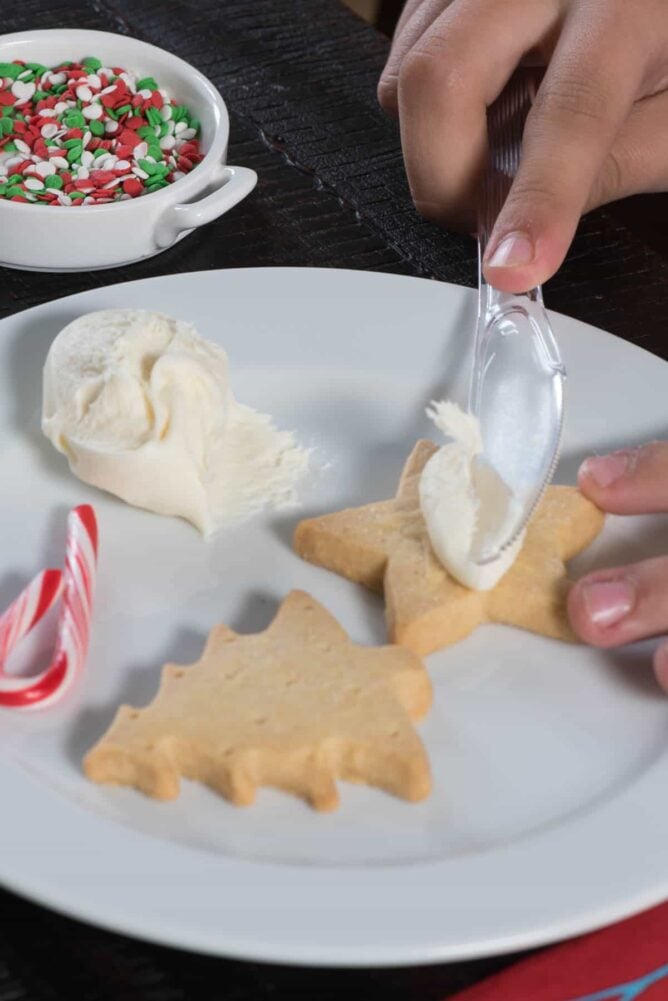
142 407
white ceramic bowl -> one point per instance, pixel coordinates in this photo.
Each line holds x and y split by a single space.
38 238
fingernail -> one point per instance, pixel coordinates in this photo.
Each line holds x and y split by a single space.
661 665
605 469
608 601
514 250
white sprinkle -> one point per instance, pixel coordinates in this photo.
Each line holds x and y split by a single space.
24 75
130 81
58 78
31 198
177 175
92 111
123 165
63 198
171 126
150 159
107 90
107 162
111 127
88 201
140 151
13 161
188 134
146 93
125 198
157 130
48 112
83 174
84 93
87 158
22 146
166 112
46 77
112 184
50 130
86 139
138 172
60 107
167 142
34 184
60 162
164 94
180 127
93 80
45 169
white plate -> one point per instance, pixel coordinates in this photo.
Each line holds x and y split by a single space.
550 809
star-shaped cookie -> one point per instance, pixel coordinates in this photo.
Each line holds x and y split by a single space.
296 707
385 546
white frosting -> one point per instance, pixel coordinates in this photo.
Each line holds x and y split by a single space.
141 406
465 503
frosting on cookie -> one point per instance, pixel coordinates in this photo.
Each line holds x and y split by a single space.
465 503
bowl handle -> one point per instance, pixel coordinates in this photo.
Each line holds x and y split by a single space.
234 183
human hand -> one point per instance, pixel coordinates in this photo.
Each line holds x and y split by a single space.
620 605
597 131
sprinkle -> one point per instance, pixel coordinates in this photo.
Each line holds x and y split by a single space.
34 184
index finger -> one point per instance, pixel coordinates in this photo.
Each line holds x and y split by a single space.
588 90
629 481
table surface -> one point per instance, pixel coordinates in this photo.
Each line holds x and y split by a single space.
299 77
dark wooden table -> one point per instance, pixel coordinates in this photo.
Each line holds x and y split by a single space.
299 77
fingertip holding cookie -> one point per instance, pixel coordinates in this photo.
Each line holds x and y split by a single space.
295 707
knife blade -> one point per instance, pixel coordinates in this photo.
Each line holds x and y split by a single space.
518 379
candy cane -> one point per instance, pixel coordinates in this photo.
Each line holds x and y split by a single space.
76 585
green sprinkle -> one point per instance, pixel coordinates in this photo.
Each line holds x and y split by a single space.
40 95
73 143
59 89
148 167
6 126
37 68
74 119
96 127
156 185
15 190
100 152
74 154
195 124
10 147
147 83
53 181
124 109
92 63
145 132
27 76
112 114
78 195
11 70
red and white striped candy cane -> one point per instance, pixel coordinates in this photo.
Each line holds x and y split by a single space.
76 585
